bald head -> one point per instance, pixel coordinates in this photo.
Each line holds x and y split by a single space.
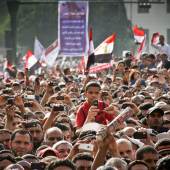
129 131
125 148
53 135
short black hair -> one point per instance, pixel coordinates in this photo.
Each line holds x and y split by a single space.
61 126
82 156
33 123
145 106
22 132
9 158
152 56
84 134
145 149
5 151
59 163
137 162
162 142
5 131
163 163
30 156
92 84
120 62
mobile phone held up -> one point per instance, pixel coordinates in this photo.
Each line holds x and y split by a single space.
58 107
29 97
95 103
86 147
140 135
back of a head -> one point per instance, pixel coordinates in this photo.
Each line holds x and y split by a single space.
30 158
117 162
14 167
82 156
163 163
145 149
49 159
137 162
26 165
162 143
61 163
106 168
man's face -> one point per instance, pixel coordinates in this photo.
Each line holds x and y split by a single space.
148 61
125 150
150 159
5 139
121 67
21 144
139 167
20 76
16 122
83 165
67 135
53 136
161 40
63 150
36 133
155 119
92 93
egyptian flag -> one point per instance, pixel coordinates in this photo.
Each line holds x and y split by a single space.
142 45
155 38
139 34
103 53
50 54
38 48
140 38
31 62
91 56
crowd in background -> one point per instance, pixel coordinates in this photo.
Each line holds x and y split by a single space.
57 120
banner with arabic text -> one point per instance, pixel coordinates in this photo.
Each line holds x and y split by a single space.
73 28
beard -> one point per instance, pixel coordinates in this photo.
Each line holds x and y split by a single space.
36 144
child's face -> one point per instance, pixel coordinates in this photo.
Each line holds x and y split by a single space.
92 93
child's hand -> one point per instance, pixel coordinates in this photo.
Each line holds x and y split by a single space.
92 113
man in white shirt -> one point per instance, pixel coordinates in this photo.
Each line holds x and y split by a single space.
162 46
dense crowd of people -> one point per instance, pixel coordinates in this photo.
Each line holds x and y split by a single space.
58 120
